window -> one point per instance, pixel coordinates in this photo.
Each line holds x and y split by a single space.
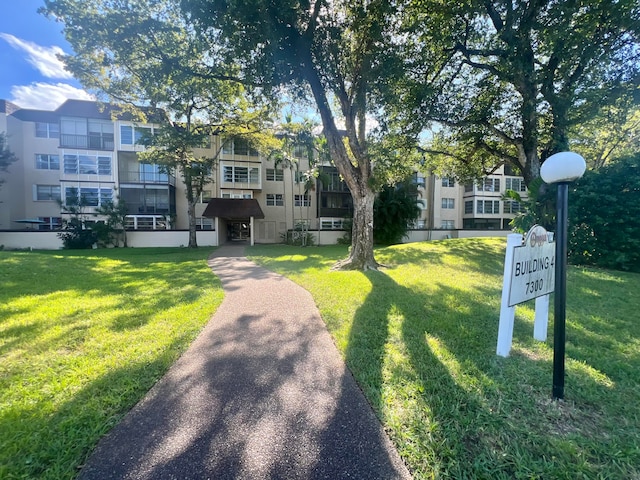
46 193
238 146
468 206
50 223
488 206
302 201
512 207
275 175
126 134
515 184
206 196
448 224
236 174
130 135
331 224
489 185
275 199
47 130
87 164
45 161
203 223
448 182
468 188
89 196
448 203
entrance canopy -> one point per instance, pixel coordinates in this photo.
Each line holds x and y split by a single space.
233 208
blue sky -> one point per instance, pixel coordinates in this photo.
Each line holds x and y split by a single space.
30 74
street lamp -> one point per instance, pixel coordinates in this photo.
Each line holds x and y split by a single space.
561 168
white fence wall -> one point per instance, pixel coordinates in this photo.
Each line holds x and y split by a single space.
24 239
156 238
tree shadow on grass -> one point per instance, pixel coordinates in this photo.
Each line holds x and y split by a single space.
461 411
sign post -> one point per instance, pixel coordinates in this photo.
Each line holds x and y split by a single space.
528 273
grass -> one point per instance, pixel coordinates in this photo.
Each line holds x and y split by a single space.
83 336
420 338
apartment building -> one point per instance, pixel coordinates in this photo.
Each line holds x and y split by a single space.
90 150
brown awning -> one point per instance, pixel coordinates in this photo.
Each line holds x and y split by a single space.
233 208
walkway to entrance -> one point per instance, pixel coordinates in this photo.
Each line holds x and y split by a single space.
262 393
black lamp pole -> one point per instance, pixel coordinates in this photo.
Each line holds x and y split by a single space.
560 291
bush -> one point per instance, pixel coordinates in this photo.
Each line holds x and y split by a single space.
604 213
75 236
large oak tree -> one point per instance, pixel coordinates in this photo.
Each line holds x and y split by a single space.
508 80
335 50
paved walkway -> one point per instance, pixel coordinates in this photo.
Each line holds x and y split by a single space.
262 393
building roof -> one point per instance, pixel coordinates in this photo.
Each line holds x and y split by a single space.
28 115
233 208
107 111
7 107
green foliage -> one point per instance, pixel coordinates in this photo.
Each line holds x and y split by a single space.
75 233
538 209
506 82
110 231
394 210
604 211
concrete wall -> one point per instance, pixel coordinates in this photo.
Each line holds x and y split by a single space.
139 239
209 238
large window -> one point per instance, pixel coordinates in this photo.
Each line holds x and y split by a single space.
238 146
512 207
134 135
87 164
516 184
302 200
275 200
448 224
47 130
275 175
46 193
489 185
89 196
488 206
45 161
449 203
237 174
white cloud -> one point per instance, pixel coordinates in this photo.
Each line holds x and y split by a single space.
42 58
46 96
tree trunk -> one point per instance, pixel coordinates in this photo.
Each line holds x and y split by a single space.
356 177
361 255
191 211
191 208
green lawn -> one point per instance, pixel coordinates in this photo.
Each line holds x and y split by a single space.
420 338
83 336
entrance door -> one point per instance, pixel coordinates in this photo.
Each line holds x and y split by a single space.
238 231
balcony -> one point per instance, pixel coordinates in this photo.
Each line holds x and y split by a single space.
136 176
90 142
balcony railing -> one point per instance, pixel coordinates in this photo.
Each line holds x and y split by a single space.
90 142
135 176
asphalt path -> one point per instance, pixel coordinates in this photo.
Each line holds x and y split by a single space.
262 393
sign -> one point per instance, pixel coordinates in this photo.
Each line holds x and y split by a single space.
533 269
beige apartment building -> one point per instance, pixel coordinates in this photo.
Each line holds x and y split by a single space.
89 149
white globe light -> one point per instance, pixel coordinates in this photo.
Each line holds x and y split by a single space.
563 167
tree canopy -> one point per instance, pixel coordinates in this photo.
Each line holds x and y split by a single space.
507 81
7 157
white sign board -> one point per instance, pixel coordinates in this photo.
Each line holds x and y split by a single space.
529 272
533 270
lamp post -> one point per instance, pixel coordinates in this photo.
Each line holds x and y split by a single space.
561 168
